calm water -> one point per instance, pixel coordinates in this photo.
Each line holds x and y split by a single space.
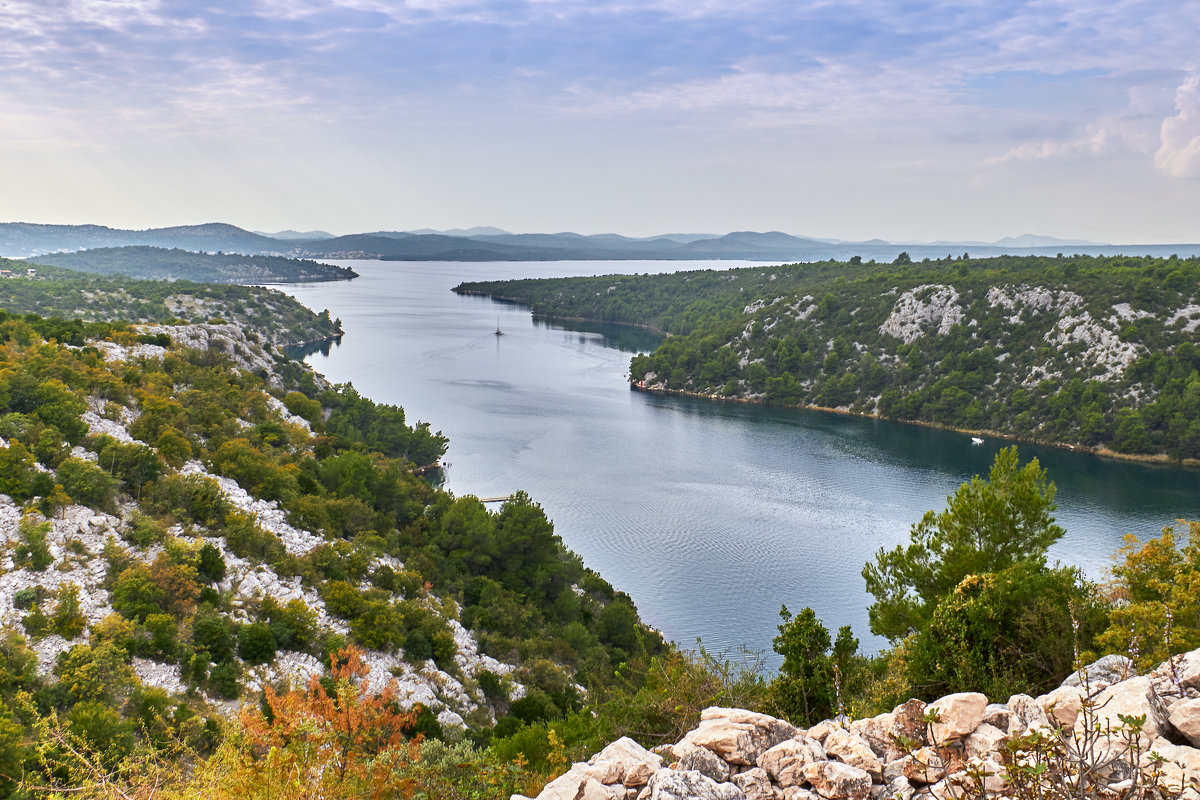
709 514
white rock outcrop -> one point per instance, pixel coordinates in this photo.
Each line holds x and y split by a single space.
957 747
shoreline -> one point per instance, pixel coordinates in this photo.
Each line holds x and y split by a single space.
1160 459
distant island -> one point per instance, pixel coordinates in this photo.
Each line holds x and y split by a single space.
28 240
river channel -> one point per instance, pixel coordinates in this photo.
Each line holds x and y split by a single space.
710 515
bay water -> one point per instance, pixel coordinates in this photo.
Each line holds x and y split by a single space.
709 514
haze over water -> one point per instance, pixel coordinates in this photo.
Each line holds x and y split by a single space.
710 515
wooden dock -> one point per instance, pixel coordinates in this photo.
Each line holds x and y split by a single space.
497 499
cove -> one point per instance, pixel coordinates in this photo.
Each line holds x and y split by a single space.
709 514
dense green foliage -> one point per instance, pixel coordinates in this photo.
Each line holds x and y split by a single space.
157 263
75 302
1089 351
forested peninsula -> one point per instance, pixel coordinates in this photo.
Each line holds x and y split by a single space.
158 263
1082 351
75 298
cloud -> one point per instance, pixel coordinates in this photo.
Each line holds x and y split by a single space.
1179 154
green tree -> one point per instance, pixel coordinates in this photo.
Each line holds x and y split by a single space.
987 526
804 691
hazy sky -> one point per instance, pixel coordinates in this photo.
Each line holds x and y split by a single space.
854 119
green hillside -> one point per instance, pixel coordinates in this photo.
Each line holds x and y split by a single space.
1084 351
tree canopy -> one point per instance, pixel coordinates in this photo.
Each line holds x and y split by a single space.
986 527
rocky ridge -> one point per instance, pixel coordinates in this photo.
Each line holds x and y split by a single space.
1128 735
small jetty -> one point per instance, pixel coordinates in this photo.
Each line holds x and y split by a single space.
497 499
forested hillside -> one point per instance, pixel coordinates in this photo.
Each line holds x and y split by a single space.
158 263
179 533
1085 351
263 313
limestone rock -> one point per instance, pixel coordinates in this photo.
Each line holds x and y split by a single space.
984 740
923 766
1185 716
1102 673
850 749
1025 715
689 756
996 715
737 735
900 789
576 784
669 784
822 729
625 762
785 762
1181 768
1062 705
958 715
1132 697
755 784
837 781
879 733
908 721
796 793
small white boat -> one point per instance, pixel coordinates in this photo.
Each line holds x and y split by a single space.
976 440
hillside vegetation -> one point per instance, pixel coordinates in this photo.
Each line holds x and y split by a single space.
180 534
157 263
265 314
1084 351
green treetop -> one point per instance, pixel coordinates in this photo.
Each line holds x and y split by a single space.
987 526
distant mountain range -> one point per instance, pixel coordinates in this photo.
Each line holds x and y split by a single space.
24 240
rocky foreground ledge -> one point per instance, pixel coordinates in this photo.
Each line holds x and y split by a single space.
1104 733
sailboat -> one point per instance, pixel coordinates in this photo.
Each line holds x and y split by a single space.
498 331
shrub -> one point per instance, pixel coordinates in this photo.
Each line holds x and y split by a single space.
212 632
102 730
210 564
33 551
293 625
94 673
246 540
87 484
256 643
223 680
144 531
164 636
68 620
136 594
16 471
192 498
24 599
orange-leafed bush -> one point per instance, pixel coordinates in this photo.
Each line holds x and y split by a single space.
334 739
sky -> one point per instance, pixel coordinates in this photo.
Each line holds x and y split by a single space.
856 119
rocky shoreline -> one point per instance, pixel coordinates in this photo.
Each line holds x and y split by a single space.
1102 452
1104 733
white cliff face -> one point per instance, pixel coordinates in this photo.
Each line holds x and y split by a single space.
1026 301
917 311
1102 347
